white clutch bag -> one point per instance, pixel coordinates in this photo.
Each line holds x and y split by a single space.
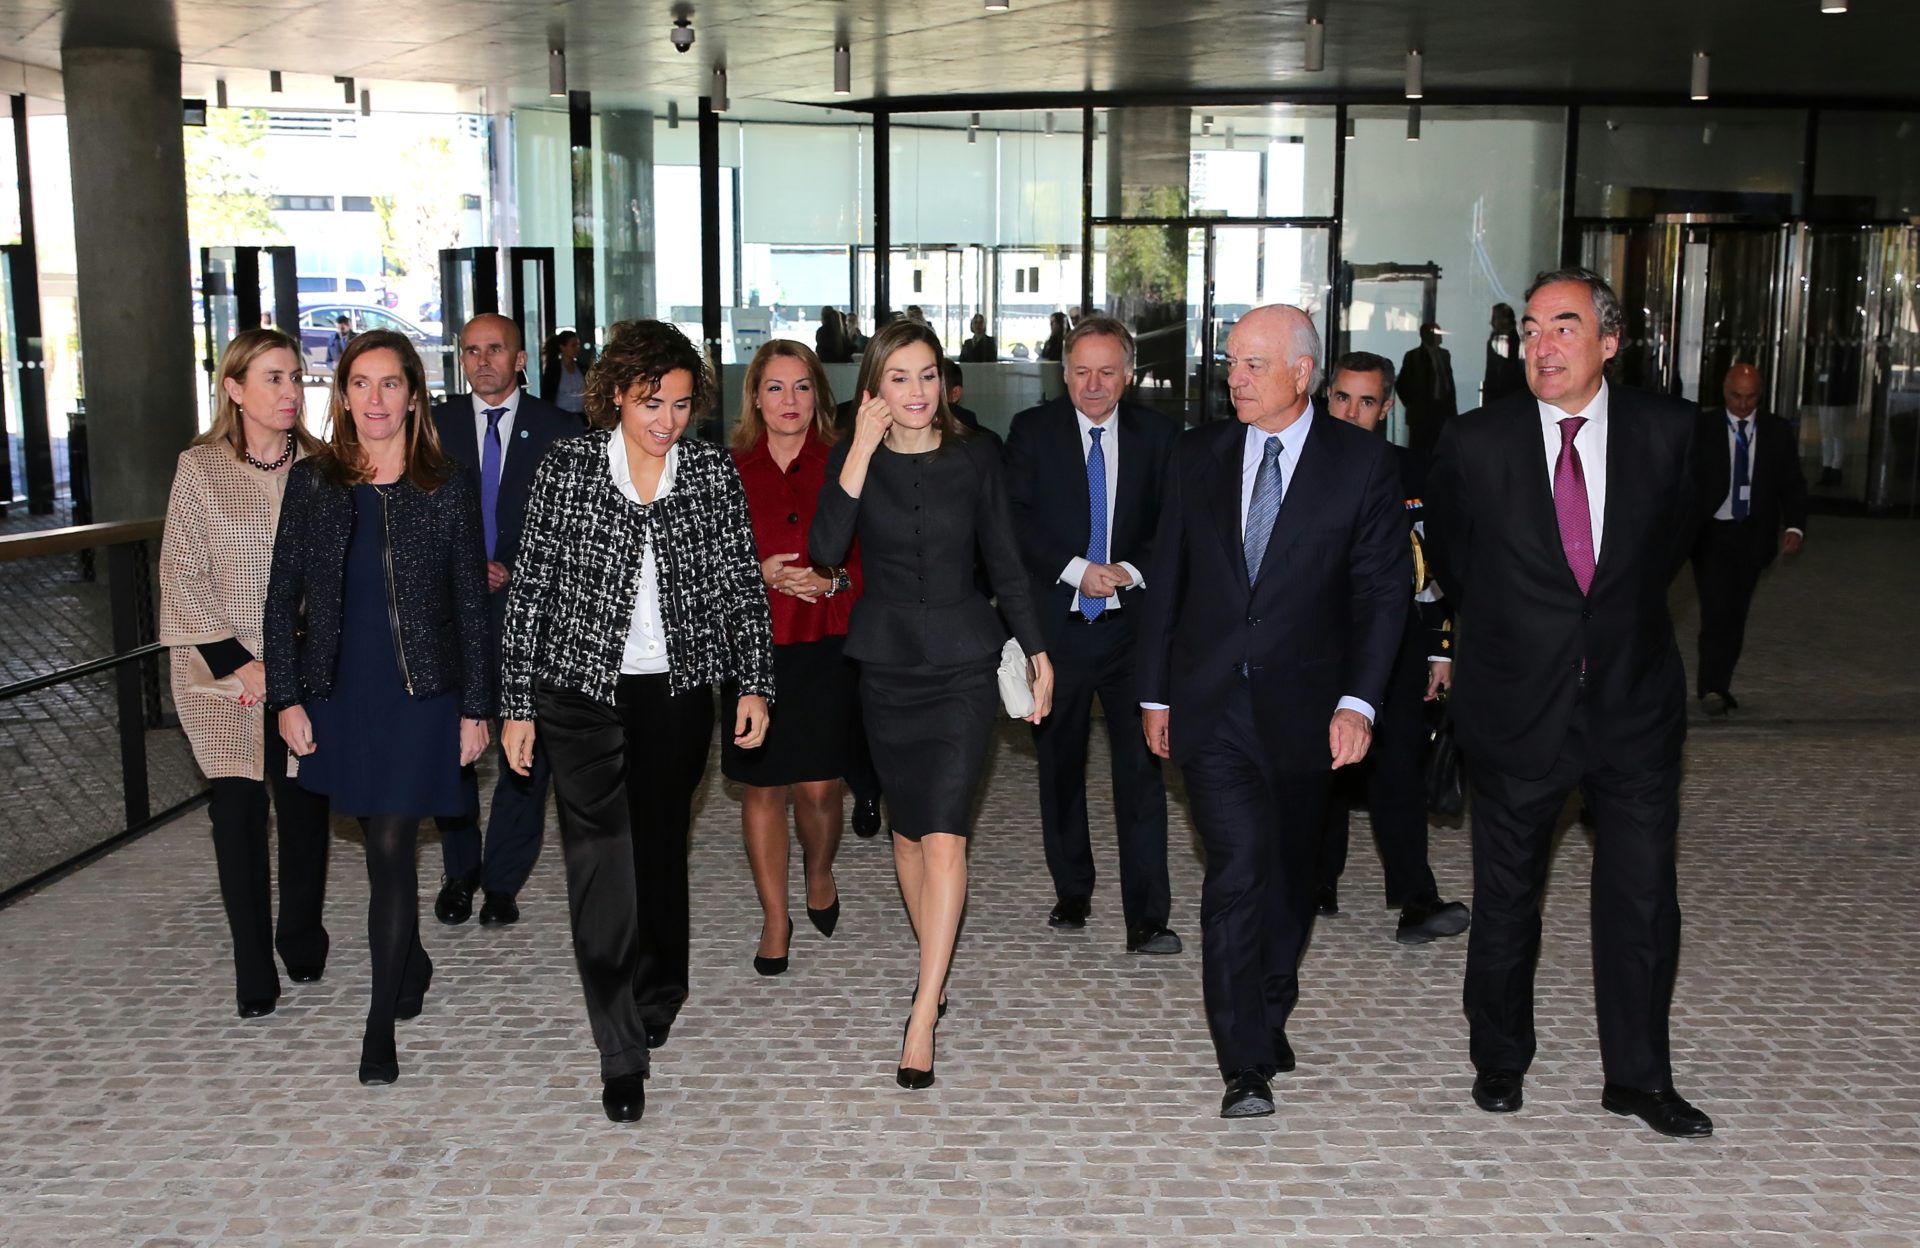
1015 693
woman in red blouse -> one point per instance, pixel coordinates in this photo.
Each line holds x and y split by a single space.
780 447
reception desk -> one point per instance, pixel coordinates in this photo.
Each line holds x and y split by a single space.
993 391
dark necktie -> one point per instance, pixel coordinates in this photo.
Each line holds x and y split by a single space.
1096 519
1264 507
1742 454
1570 505
490 479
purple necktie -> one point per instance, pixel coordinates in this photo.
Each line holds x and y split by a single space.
1570 505
490 478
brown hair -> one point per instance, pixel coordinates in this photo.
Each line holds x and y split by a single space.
248 346
644 352
904 333
345 462
751 426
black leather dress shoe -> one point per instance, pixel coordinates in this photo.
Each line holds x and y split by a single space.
499 910
1426 919
1155 938
306 974
1498 1091
260 1007
1714 704
1248 1096
1070 912
454 905
657 1034
624 1097
866 817
1283 1060
1326 901
1665 1110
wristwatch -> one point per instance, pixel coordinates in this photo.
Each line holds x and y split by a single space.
840 581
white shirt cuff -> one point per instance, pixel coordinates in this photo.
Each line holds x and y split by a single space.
1138 580
1355 704
1076 568
1801 532
1153 706
1439 658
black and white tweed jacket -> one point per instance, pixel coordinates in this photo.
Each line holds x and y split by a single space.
570 602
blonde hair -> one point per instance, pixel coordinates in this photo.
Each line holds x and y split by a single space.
228 425
752 426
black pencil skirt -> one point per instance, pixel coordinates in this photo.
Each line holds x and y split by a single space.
929 729
812 718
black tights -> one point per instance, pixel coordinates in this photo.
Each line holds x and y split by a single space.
401 967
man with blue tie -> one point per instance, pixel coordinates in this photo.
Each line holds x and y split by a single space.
1084 476
497 434
1753 489
1279 597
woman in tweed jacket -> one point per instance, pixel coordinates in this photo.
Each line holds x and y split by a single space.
638 588
214 561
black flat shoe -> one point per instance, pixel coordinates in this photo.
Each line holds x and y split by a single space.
776 966
907 1076
259 1008
624 1098
1665 1110
379 1061
1498 1091
306 974
409 1007
825 920
866 817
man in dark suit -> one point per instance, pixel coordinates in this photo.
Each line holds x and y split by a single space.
1426 387
1390 782
1277 598
497 434
1754 490
1084 475
1557 520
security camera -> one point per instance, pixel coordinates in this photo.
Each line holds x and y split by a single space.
681 34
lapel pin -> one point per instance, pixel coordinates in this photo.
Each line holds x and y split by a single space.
523 433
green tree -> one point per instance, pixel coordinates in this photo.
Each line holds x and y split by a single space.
422 214
228 203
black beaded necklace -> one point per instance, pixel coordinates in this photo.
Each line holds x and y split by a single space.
277 464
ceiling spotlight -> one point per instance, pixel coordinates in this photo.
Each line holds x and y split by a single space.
843 70
1229 137
1413 123
346 88
1349 128
1206 124
366 103
1414 87
720 101
219 92
973 127
1833 6
1049 124
999 6
556 72
273 81
1700 64
673 114
1316 45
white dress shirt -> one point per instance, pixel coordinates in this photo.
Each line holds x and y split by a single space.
1110 451
646 648
480 409
1591 443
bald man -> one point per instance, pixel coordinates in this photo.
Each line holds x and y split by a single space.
496 435
1751 487
1280 569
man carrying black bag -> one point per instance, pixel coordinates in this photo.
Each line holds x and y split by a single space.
1392 780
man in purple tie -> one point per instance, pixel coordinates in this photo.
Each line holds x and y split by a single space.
497 434
1557 520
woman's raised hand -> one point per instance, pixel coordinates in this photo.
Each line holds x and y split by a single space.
872 421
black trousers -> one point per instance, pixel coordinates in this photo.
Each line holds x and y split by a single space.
1727 562
238 810
623 780
1391 781
1634 904
1260 826
1097 659
515 825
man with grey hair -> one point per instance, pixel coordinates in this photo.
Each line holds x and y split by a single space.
1557 520
1279 595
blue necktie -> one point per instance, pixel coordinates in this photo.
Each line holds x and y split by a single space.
1742 449
490 478
1096 519
1263 509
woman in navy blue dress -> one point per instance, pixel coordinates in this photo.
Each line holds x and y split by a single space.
376 647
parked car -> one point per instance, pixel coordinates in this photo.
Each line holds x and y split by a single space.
317 327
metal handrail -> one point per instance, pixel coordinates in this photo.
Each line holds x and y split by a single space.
65 674
78 537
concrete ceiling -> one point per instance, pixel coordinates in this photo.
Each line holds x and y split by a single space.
782 50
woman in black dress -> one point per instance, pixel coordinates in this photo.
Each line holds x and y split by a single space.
922 495
1506 371
376 647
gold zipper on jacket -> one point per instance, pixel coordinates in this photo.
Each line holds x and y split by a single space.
393 609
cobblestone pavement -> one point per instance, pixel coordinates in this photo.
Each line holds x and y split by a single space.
1076 1099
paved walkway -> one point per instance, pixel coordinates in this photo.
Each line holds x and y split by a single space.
1076 1099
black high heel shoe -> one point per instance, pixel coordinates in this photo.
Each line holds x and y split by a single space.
775 966
827 919
409 1007
379 1061
907 1076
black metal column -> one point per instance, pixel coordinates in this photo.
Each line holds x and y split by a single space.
1569 185
580 134
710 293
1336 297
1087 136
882 215
23 276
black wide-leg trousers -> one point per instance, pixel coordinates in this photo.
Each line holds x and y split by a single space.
624 777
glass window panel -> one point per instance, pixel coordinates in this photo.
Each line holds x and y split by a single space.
1642 162
1243 161
1867 166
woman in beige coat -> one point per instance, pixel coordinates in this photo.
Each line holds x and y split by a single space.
214 561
